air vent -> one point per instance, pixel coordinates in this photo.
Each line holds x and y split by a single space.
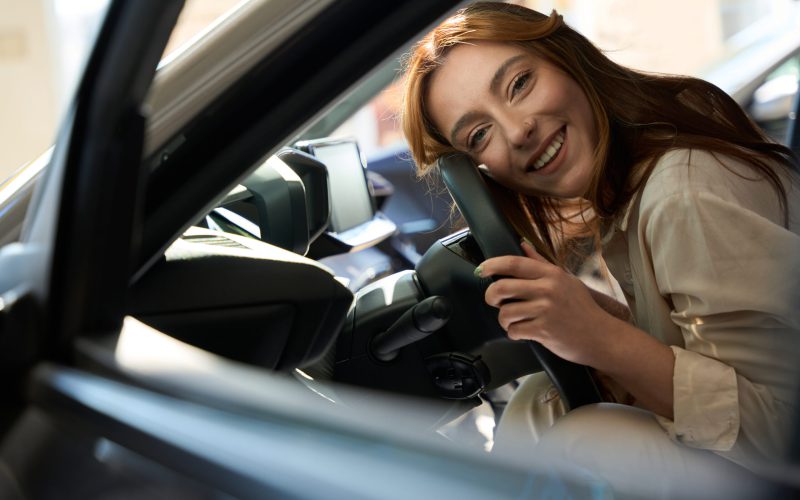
211 239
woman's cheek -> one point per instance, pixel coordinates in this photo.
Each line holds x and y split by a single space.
490 155
496 166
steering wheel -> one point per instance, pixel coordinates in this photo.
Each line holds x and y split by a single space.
495 237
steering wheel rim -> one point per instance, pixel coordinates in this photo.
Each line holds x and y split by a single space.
495 237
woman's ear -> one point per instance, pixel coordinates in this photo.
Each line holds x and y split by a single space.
485 170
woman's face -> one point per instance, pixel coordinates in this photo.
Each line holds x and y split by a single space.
525 119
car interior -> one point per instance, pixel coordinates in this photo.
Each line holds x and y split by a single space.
298 269
175 369
249 282
267 258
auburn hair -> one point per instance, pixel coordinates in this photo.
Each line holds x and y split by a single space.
638 117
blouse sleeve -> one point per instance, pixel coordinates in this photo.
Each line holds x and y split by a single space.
731 277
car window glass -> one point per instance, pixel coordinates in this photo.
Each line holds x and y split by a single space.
43 49
377 124
773 100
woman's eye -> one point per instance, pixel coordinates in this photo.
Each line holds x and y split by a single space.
520 83
476 138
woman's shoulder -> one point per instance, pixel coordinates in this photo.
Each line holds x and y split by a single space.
694 175
695 170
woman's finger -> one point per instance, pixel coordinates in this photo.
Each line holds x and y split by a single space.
514 312
513 289
517 267
531 252
524 330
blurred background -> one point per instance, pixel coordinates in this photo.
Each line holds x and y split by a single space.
43 47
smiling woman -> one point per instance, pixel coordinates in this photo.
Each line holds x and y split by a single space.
524 118
695 210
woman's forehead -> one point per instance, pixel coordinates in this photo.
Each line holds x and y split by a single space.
469 74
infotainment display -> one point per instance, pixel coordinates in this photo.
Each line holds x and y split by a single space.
351 203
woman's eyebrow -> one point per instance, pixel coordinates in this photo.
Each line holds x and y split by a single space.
461 123
500 74
494 88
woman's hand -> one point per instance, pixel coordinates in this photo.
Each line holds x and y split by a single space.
542 302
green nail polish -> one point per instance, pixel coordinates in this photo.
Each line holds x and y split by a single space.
478 272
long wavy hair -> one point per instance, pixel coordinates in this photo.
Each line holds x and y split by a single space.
638 117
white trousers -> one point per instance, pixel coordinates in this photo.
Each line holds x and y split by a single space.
623 445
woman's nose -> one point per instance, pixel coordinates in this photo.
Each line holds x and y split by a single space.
520 132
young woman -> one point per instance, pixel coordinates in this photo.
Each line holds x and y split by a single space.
695 211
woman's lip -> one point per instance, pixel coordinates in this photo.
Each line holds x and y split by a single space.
542 148
555 162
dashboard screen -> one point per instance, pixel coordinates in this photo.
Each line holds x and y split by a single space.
351 204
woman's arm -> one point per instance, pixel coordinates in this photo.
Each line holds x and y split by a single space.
611 390
611 305
639 363
715 251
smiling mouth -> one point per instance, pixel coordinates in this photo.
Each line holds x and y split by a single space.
550 152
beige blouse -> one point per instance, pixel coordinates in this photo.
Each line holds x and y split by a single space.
709 268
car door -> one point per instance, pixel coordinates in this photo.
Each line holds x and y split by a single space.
79 236
101 214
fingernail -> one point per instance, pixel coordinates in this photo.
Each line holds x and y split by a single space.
528 242
478 272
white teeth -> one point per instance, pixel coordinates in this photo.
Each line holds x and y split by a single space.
552 150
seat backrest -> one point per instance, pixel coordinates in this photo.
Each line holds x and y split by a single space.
243 299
